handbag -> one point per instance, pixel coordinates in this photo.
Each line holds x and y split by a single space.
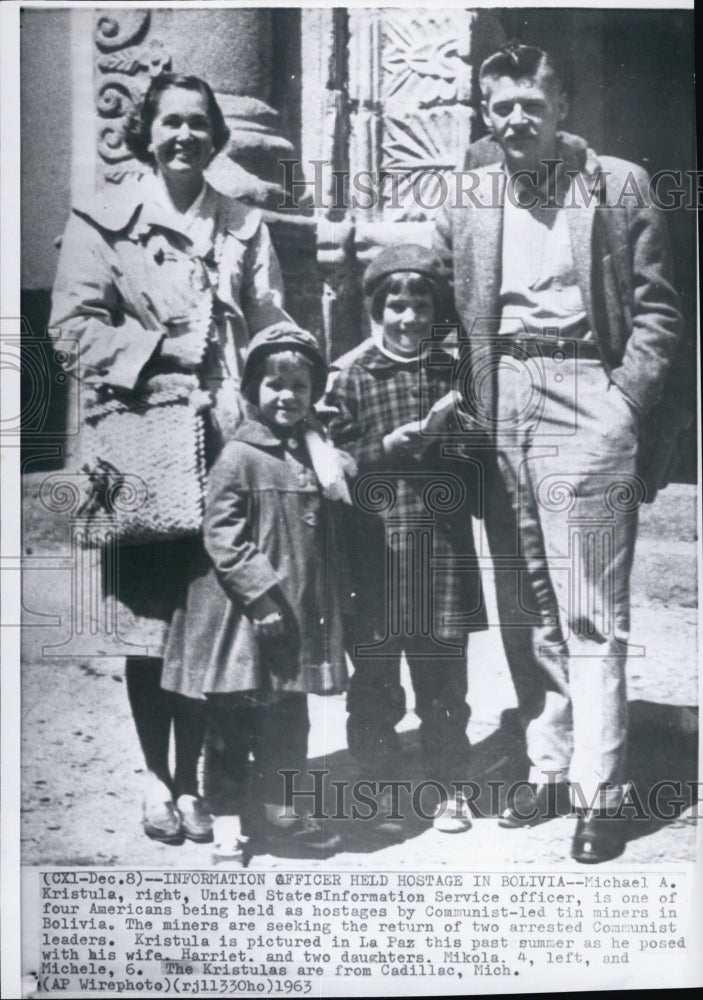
145 463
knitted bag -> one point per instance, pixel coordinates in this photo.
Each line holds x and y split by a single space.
145 462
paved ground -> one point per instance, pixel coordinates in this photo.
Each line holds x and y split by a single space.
81 765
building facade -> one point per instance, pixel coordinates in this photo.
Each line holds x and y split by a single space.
346 128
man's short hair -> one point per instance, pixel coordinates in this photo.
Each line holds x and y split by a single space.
518 62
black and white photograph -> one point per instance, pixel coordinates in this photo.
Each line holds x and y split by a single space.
350 468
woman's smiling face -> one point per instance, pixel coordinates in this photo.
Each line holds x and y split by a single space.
181 133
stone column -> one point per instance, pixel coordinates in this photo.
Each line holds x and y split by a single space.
248 57
233 50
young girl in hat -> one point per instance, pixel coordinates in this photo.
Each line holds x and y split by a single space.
412 558
261 627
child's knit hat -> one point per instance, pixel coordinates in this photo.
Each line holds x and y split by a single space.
284 337
406 257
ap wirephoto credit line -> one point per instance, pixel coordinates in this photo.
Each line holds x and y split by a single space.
350 478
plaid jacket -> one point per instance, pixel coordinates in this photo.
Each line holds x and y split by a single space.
409 534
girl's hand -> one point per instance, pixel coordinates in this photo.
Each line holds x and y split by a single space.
266 617
270 627
349 466
407 438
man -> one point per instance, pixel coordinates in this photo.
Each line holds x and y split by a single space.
562 282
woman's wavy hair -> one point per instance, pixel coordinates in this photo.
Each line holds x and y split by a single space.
137 129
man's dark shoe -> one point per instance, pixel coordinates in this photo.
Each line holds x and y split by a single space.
534 804
598 838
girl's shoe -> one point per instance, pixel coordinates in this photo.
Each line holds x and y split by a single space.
303 831
195 820
229 842
389 821
452 816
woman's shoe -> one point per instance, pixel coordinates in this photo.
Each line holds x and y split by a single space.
195 820
161 820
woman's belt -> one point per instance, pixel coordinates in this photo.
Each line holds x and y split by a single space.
549 347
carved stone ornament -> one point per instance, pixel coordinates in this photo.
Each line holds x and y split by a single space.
118 29
426 60
411 87
125 61
153 58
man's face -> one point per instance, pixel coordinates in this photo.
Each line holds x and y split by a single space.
523 116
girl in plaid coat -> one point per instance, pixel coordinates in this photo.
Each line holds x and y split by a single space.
415 580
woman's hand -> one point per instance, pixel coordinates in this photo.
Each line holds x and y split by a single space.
266 617
407 438
182 350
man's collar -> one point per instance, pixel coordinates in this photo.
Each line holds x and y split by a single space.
572 156
572 149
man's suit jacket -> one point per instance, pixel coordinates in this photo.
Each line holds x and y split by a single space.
621 253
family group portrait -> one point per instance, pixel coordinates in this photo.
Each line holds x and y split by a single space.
358 440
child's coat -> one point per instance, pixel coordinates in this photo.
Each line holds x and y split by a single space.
266 525
398 499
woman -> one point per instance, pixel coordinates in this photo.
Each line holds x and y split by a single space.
166 275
